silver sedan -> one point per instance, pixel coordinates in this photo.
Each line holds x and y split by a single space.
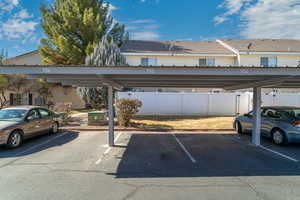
22 122
280 123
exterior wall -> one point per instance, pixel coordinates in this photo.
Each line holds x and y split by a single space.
180 60
67 94
283 60
60 94
30 59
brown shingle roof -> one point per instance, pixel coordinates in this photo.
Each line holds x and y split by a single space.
180 47
264 45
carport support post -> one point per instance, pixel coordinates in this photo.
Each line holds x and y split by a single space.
256 116
111 136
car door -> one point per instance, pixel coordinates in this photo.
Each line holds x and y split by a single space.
269 120
247 122
32 124
46 119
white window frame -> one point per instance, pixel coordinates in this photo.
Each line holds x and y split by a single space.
272 61
150 61
211 62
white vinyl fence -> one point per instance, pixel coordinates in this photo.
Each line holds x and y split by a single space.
204 104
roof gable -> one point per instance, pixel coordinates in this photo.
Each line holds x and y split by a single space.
263 45
173 47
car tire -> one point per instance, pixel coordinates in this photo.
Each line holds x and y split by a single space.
278 137
55 128
15 139
239 127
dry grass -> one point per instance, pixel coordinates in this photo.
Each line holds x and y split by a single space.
183 122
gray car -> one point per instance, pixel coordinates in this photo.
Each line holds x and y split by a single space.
22 122
280 123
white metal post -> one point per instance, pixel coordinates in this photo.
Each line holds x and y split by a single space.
256 129
111 137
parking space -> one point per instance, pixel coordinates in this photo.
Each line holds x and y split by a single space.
78 165
289 151
198 155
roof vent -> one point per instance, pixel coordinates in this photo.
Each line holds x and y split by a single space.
249 46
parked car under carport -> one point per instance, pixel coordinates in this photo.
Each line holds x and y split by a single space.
280 123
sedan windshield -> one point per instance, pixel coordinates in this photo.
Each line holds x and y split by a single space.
294 112
12 114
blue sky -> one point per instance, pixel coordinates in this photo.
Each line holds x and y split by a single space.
164 20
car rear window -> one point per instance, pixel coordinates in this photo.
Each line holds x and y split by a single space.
294 112
12 114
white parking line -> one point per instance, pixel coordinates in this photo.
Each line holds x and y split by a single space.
106 151
184 149
41 144
277 153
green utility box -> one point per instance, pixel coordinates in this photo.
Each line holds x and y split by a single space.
97 118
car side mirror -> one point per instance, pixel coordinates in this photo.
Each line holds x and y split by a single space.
28 118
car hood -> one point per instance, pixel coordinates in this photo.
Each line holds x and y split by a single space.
7 124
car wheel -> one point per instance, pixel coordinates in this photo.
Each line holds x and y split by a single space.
15 139
239 127
55 128
278 137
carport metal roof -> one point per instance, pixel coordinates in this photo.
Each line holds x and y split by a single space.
229 78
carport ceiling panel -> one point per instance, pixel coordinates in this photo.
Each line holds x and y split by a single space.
198 77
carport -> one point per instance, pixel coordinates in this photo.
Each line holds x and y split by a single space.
118 77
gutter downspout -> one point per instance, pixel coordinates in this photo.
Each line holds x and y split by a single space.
235 51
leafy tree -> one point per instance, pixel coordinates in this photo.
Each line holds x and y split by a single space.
44 88
74 27
106 53
20 84
4 83
3 56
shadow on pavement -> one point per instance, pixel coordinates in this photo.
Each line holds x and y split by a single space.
217 155
39 143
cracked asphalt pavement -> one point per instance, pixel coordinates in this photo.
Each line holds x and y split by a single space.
78 165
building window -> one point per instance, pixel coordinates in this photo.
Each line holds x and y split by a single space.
20 99
207 62
268 61
149 62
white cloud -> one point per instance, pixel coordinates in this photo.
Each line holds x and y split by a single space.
16 28
184 39
143 29
19 26
264 18
23 14
145 35
8 5
232 7
272 19
141 21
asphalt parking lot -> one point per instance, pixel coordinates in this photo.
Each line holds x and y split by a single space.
78 165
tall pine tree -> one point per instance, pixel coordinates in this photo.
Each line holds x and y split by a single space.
74 27
106 53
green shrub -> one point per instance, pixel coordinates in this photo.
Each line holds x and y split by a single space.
127 109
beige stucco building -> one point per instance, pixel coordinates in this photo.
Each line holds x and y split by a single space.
59 94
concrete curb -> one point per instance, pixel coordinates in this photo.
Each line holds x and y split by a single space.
144 130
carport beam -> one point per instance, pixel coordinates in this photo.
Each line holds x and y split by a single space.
111 136
256 116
